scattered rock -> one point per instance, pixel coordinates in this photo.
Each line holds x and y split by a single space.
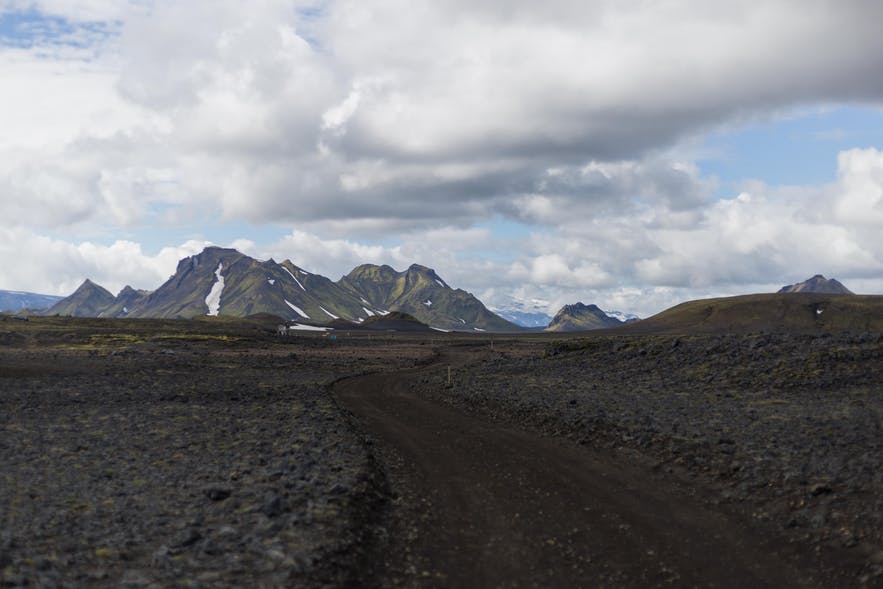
217 492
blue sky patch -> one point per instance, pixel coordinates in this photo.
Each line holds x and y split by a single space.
796 150
30 28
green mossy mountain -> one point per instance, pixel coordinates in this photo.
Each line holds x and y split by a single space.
580 317
89 300
421 293
252 287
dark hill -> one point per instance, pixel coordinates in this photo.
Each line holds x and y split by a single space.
395 321
803 312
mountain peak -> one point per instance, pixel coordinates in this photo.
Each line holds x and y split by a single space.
89 300
579 317
89 286
817 284
418 291
127 291
420 268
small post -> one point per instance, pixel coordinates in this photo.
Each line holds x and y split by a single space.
449 376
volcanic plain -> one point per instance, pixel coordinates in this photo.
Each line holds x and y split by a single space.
215 453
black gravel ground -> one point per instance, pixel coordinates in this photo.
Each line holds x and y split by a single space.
787 429
136 456
184 461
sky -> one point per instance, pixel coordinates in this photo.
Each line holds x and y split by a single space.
626 153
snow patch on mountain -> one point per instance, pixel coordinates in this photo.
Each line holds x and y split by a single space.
213 300
329 313
271 281
301 327
428 302
368 311
295 279
297 309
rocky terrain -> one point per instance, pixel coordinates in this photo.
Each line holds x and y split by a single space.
143 453
182 454
785 429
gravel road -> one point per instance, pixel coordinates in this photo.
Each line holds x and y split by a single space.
786 430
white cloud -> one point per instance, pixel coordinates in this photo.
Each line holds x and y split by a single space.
53 266
405 123
860 198
271 113
763 238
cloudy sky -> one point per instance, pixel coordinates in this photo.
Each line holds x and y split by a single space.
627 153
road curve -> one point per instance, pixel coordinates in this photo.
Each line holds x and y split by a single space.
485 505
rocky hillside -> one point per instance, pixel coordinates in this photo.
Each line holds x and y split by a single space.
580 317
817 284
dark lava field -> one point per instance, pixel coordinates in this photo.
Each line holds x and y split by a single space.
148 453
169 455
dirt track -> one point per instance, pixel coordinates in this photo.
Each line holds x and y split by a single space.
485 505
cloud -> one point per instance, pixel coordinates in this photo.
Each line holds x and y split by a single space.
387 131
761 239
54 266
74 10
349 110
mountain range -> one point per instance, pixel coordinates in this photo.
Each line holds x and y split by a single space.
220 281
